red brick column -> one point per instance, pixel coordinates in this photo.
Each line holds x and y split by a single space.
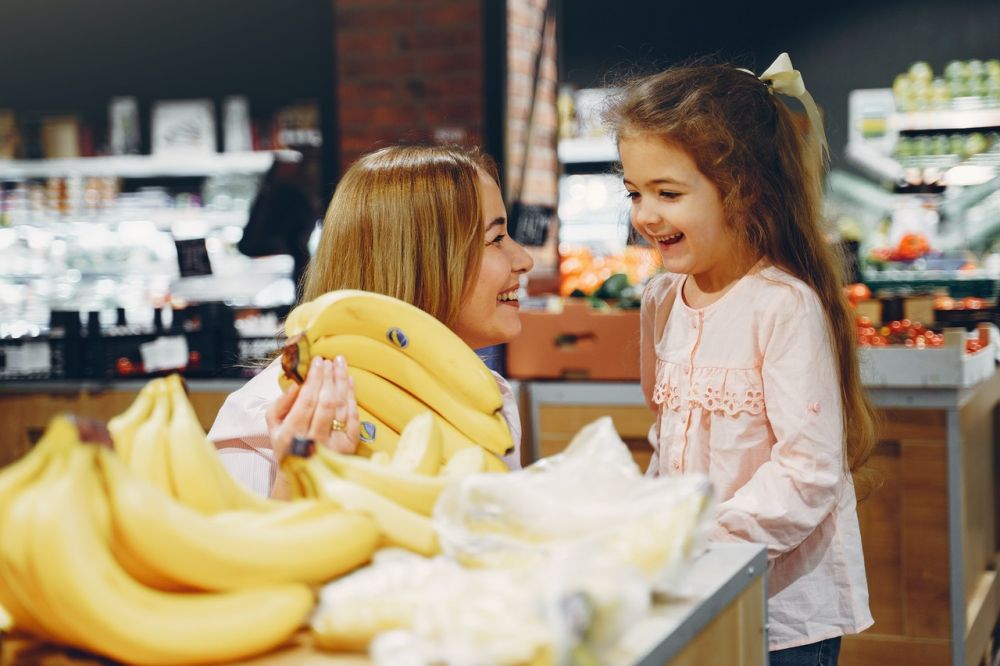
408 70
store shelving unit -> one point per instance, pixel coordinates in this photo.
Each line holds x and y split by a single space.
587 150
146 166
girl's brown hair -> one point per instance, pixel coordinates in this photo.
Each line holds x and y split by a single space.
769 172
405 221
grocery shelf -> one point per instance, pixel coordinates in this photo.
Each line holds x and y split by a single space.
945 119
587 149
146 166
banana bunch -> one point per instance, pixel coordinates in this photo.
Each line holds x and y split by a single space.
82 536
403 361
398 491
160 439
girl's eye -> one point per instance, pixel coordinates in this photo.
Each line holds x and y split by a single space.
669 195
634 196
497 239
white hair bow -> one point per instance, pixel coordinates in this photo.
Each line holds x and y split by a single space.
784 79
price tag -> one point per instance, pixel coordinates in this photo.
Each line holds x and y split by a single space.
29 357
530 223
192 257
165 353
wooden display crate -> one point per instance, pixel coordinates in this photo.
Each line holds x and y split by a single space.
577 343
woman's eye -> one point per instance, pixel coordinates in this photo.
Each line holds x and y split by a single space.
670 195
634 196
496 240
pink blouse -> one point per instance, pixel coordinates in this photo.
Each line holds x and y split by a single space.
747 392
241 437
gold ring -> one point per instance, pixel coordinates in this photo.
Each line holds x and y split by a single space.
337 426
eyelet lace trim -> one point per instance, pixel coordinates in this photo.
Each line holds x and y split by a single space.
718 390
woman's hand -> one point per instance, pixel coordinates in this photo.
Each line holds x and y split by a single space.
323 409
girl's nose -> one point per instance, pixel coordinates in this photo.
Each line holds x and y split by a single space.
643 215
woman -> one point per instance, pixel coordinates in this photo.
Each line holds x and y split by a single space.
423 224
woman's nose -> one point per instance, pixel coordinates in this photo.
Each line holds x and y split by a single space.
520 260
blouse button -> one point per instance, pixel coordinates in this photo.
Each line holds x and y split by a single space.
675 465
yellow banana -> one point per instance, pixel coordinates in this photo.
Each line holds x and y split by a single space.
467 461
399 325
150 447
123 427
301 316
111 614
399 526
419 448
375 434
15 480
417 492
191 456
200 480
486 427
208 554
396 407
292 513
20 593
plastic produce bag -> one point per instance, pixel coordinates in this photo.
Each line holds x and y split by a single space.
589 498
417 611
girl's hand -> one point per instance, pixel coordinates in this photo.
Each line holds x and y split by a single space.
322 409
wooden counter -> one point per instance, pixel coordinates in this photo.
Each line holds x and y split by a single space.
26 407
931 533
721 621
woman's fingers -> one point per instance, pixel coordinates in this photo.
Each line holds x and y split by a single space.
326 405
347 440
278 410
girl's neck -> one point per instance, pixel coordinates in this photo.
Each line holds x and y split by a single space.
703 289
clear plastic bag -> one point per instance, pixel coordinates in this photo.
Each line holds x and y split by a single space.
412 610
544 566
590 497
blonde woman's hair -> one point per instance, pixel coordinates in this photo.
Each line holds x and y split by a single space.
770 176
405 221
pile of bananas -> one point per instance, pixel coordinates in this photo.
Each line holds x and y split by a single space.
404 362
96 557
398 491
161 440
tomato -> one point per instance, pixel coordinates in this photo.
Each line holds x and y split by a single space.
912 246
944 303
857 292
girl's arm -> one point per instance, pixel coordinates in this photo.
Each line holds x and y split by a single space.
799 486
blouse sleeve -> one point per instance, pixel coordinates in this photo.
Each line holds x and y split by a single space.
794 491
240 432
657 298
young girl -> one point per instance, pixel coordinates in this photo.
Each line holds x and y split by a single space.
748 352
426 225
